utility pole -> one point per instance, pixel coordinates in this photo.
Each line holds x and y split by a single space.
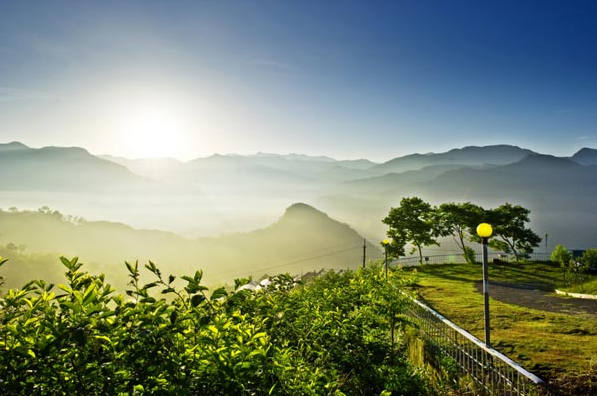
364 251
546 235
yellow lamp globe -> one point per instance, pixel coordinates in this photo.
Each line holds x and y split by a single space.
484 230
385 242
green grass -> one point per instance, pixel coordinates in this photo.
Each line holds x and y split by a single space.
587 287
553 345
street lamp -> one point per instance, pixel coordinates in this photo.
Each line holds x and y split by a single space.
385 244
484 230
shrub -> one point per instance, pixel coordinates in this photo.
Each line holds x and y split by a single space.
342 333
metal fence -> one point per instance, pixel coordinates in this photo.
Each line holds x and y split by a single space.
457 258
491 370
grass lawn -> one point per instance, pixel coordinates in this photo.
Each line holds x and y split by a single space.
587 287
557 346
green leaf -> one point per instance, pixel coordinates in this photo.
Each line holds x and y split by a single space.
219 293
173 317
198 276
89 293
103 338
65 261
197 299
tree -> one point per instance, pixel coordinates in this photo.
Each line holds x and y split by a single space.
562 256
398 241
413 222
459 220
589 257
510 233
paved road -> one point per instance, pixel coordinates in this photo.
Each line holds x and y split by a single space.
535 296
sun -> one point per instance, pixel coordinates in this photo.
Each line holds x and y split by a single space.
154 129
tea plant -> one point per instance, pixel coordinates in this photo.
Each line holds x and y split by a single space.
341 333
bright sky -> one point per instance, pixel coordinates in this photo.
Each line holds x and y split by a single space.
341 78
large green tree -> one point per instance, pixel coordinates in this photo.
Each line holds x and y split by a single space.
459 220
510 232
413 222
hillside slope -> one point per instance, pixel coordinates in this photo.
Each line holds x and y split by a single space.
303 239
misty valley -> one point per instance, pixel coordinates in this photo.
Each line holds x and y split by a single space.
227 251
205 212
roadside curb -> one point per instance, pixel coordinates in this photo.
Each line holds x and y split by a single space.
577 295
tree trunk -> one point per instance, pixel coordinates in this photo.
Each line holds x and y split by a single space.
420 255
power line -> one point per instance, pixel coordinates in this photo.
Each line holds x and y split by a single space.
291 262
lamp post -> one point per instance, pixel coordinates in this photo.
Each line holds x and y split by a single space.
484 230
385 244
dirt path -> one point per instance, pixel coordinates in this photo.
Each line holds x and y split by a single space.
536 297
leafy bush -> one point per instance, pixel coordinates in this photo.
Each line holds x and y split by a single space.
562 256
589 258
342 333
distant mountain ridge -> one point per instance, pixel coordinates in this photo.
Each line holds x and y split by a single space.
12 146
586 156
224 193
59 168
470 155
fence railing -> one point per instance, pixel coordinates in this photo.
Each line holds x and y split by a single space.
457 258
491 370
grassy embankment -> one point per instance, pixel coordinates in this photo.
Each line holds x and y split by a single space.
587 287
560 346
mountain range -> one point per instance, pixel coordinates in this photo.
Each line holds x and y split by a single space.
60 169
229 193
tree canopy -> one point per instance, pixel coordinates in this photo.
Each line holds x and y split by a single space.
420 224
412 222
459 221
510 233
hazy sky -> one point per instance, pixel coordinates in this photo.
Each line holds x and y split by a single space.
348 79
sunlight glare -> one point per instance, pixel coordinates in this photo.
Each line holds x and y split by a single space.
154 129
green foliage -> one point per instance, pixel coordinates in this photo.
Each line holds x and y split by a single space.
459 220
342 333
562 256
589 258
417 222
411 222
510 233
574 270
